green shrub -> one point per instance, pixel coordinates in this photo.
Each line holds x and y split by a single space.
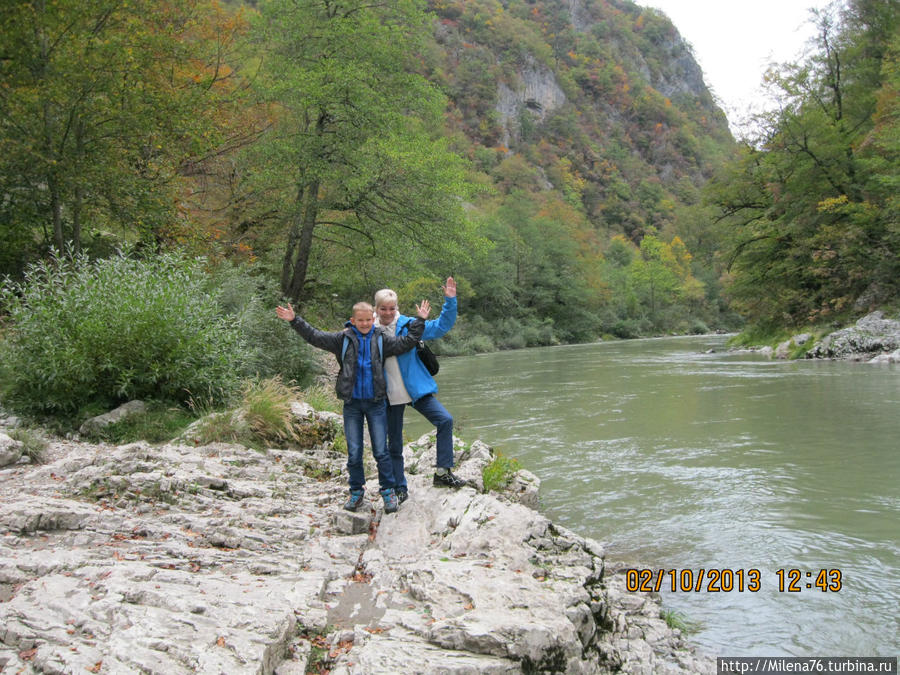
106 331
540 335
512 341
698 327
626 328
452 344
480 344
272 347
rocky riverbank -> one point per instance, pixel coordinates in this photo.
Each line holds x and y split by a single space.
873 339
180 558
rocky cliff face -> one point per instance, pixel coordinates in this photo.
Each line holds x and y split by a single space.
222 559
536 94
603 98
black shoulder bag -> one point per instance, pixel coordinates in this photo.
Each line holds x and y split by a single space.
428 358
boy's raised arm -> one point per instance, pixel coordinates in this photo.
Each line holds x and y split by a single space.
330 342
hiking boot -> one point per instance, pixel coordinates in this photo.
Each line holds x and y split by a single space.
448 480
402 496
390 500
355 501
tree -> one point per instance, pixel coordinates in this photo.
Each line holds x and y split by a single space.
655 274
353 153
100 104
813 232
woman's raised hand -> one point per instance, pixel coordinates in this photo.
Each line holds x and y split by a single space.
423 309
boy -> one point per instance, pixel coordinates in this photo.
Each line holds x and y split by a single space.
361 385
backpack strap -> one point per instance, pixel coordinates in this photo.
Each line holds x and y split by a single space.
380 346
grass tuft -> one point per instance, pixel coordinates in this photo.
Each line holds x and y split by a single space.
33 445
678 621
322 398
499 473
266 409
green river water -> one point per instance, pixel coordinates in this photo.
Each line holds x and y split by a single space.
680 455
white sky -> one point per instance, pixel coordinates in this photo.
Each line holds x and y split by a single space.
735 40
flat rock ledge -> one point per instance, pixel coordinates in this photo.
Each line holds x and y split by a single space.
222 559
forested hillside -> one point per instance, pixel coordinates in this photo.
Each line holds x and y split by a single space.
548 154
552 155
591 124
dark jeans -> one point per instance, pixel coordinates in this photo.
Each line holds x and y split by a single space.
435 413
374 413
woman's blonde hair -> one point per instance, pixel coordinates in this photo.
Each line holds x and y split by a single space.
383 296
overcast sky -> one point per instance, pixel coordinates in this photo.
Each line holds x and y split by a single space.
734 40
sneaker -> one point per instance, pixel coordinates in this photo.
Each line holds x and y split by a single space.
449 480
355 501
402 496
390 500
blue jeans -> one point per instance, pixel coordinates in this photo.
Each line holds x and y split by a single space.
435 413
374 413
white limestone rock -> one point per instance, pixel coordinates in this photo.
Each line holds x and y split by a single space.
10 450
99 422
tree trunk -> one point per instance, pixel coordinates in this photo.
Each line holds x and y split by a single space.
79 189
296 256
59 239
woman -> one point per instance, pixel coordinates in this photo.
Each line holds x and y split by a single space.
410 383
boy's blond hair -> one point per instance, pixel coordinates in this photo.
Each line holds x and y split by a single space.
385 295
363 307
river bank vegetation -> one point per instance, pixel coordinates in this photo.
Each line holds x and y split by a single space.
171 171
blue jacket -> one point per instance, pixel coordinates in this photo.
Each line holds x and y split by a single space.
417 380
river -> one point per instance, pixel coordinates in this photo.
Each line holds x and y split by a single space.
680 455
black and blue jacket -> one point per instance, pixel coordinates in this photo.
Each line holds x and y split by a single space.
334 343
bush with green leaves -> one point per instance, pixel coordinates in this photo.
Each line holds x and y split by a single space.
272 347
87 332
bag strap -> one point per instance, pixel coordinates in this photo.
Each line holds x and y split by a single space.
380 347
